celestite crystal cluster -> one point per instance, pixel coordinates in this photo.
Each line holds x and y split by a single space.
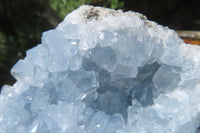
105 71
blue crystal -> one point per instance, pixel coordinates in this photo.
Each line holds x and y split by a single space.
104 71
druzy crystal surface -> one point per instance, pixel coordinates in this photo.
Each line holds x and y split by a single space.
105 71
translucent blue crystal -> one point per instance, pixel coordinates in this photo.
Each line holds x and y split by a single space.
105 71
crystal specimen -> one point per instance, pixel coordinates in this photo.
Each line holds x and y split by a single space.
105 71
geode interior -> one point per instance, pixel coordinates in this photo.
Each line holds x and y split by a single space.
104 71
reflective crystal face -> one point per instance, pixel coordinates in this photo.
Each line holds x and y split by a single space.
104 71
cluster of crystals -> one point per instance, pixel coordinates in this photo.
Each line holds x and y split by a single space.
104 71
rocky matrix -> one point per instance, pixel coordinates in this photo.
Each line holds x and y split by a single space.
105 71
